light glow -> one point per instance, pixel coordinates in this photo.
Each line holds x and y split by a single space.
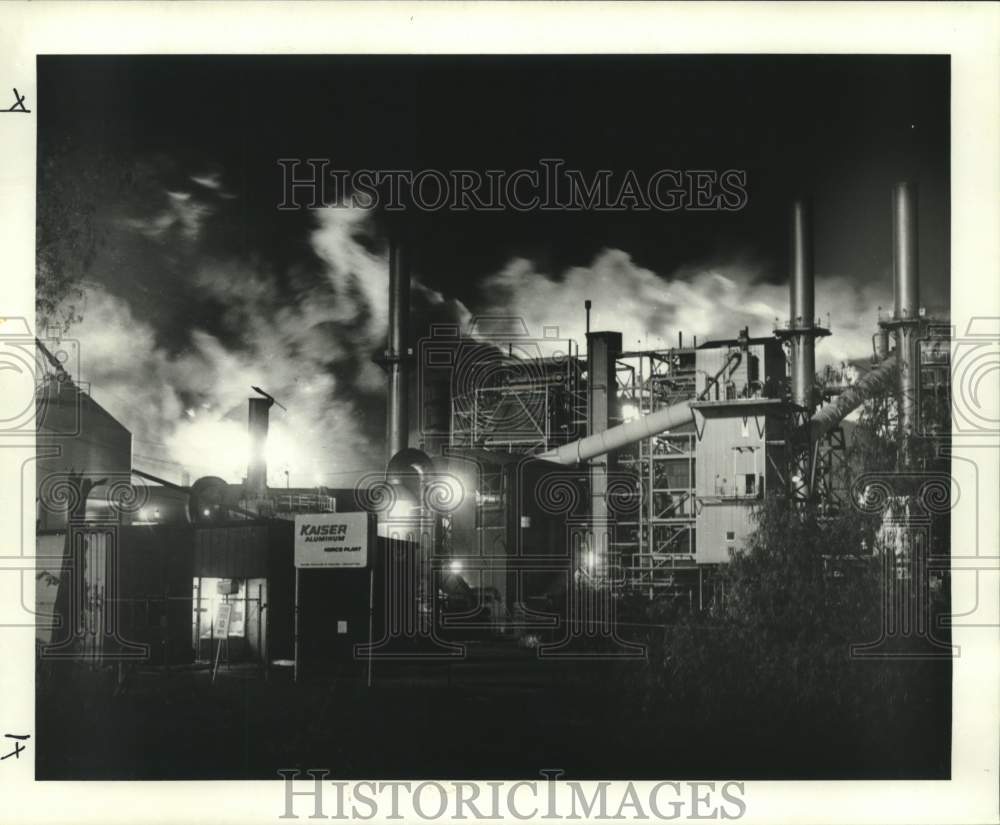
401 511
629 412
222 448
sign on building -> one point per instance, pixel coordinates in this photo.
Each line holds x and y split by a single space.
331 539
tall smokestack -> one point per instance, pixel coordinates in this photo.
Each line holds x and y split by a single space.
801 333
396 355
257 422
906 299
905 285
802 329
603 349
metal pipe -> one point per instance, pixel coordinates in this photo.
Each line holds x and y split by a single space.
802 307
876 381
732 362
603 349
602 356
624 434
150 477
802 302
396 356
905 284
880 345
257 425
906 301
629 432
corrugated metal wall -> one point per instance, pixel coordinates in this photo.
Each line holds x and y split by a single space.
730 452
229 552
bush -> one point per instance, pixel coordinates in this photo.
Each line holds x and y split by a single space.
778 649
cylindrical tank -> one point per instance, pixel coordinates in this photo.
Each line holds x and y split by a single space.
880 344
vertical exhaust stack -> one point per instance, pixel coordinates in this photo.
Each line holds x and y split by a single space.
801 332
906 285
802 329
906 301
603 349
257 424
396 359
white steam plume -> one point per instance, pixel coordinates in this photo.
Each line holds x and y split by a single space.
710 302
311 346
312 351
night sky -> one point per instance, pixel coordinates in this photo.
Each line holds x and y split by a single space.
178 155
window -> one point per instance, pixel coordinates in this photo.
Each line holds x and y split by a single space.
730 535
745 476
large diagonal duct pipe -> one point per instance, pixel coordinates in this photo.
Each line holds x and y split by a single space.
906 300
621 436
879 380
396 355
602 443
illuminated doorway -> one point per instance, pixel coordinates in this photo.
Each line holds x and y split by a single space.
246 640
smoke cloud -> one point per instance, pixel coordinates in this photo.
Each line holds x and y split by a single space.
308 338
310 347
712 301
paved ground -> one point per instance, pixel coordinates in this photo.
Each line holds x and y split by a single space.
499 713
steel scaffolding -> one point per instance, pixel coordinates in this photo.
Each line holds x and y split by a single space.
522 406
658 541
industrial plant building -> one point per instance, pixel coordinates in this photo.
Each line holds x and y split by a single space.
524 471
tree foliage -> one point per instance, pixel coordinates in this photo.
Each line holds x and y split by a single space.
78 192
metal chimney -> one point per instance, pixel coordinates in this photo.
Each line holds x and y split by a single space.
396 359
802 330
905 285
603 349
257 423
906 299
